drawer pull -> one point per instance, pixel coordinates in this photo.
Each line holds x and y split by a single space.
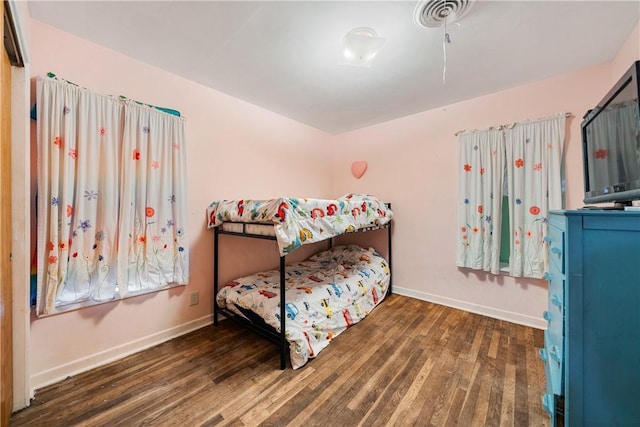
547 239
554 353
548 276
543 354
556 300
547 316
556 250
547 403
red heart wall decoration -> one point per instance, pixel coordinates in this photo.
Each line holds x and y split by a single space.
358 168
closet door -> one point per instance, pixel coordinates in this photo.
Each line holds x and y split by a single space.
6 347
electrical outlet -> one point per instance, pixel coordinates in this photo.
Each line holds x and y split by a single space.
195 298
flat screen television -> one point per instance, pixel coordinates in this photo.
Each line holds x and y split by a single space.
611 144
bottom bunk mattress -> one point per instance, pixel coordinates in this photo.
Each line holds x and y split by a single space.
325 294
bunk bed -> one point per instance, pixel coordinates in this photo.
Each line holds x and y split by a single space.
302 306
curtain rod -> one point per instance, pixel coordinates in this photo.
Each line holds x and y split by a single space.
166 110
511 125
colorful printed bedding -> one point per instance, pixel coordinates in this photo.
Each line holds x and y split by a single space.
300 221
325 295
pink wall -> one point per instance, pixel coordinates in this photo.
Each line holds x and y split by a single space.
629 52
412 164
236 150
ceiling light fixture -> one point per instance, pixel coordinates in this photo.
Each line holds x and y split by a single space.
360 46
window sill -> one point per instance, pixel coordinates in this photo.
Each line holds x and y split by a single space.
504 269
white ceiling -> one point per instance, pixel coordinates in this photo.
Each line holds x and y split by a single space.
285 55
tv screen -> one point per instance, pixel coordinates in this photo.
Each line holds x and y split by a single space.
611 144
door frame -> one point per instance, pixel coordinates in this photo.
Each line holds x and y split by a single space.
6 239
21 207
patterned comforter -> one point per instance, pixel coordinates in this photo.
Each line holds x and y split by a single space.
301 221
325 295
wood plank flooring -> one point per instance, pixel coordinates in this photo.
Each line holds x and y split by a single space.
409 363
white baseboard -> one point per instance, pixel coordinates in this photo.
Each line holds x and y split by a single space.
59 373
509 316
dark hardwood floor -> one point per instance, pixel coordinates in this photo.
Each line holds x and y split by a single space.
409 363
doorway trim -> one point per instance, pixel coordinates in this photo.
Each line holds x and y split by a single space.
21 206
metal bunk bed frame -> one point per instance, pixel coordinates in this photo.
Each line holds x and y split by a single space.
265 330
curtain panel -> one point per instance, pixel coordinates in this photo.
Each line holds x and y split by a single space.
534 158
480 182
111 198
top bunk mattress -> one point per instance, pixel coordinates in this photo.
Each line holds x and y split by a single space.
299 221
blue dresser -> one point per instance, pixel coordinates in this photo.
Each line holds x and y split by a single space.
592 343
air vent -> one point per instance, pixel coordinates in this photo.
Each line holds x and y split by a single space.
435 13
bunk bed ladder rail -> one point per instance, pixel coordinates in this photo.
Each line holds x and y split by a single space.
281 339
216 233
283 317
388 225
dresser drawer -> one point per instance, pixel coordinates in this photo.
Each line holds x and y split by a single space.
554 315
555 240
553 378
555 312
556 287
548 398
551 355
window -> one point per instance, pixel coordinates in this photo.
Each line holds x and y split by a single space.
495 225
111 198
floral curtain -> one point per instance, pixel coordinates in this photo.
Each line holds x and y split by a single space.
534 157
480 182
111 198
521 161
